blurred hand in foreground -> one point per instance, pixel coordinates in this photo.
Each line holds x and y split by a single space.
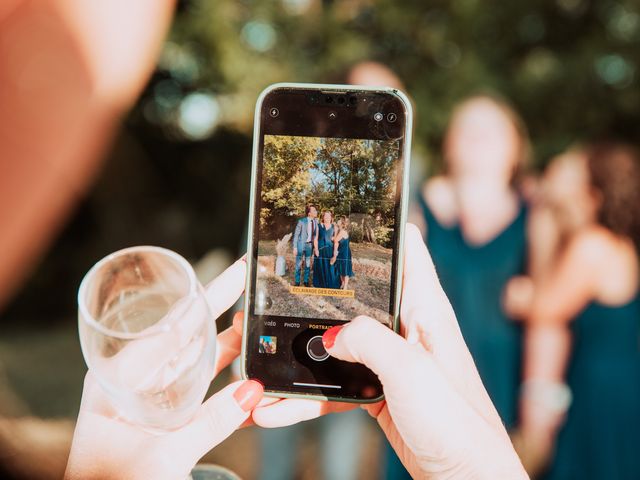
107 447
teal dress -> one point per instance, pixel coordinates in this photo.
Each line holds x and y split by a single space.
474 278
325 274
344 264
601 436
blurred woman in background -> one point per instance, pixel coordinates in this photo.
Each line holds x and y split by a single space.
475 223
584 323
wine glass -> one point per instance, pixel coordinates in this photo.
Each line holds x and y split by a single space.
147 335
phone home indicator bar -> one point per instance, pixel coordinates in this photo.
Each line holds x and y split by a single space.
299 384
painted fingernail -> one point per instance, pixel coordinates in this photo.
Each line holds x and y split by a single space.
329 337
249 394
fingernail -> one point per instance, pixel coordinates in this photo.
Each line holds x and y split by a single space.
249 394
329 337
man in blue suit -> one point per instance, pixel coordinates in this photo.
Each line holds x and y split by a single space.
304 239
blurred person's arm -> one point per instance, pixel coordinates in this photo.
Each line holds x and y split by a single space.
559 297
68 71
544 234
543 246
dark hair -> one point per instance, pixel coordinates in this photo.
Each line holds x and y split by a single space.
308 208
614 170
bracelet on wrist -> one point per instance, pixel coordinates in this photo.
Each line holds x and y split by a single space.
554 396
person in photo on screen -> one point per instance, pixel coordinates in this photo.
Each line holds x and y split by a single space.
324 272
304 238
342 252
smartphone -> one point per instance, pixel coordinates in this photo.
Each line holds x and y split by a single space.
326 226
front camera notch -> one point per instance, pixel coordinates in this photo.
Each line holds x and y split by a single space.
336 99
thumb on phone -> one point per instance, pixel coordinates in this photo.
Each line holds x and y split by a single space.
365 340
418 397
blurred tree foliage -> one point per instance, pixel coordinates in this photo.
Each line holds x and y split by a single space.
569 66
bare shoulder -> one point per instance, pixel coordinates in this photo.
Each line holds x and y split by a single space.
613 262
592 245
438 193
437 189
591 240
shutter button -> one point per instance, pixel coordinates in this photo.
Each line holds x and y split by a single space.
316 350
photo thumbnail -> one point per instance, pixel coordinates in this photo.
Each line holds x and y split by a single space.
267 344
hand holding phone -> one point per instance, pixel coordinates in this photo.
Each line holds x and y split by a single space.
436 414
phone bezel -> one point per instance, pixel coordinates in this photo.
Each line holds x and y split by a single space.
404 201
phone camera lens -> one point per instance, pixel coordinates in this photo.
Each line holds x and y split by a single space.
391 117
328 100
378 116
352 100
274 112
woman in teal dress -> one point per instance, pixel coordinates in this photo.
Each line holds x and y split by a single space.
476 230
324 272
581 397
342 253
474 278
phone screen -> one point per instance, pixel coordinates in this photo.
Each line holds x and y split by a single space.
328 198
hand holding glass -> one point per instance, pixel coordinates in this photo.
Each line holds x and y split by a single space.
147 335
147 330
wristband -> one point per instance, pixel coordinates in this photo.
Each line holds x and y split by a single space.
555 396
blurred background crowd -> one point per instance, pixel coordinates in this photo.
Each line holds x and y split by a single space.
125 123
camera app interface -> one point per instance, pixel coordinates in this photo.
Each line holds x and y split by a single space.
326 228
